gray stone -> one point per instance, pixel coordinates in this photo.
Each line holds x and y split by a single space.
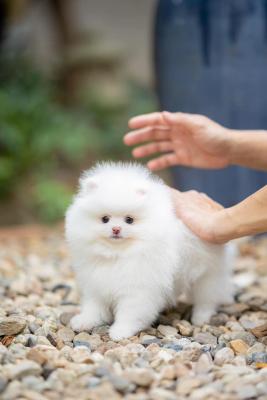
101 372
32 341
246 391
173 346
219 319
12 325
82 339
257 357
121 384
93 382
235 309
82 354
24 368
262 388
33 327
95 341
167 330
204 364
245 336
65 334
184 342
161 394
3 383
148 339
184 328
65 317
223 356
256 348
141 377
206 338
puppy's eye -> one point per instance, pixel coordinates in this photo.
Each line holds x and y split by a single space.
129 220
105 219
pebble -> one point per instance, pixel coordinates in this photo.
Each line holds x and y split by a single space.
65 334
260 331
219 319
93 382
223 356
12 325
246 392
204 364
184 328
167 330
37 356
65 317
235 309
239 346
161 394
33 327
141 377
82 355
121 384
82 339
94 341
223 360
173 346
256 348
187 385
184 342
23 368
148 339
3 383
259 357
244 336
205 338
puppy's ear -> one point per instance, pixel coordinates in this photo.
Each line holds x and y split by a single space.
87 185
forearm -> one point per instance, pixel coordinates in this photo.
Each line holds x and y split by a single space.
246 218
248 149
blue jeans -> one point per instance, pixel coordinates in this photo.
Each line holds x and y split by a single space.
211 59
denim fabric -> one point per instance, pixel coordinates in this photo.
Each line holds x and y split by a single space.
211 59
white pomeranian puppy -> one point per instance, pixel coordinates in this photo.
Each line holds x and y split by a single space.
133 257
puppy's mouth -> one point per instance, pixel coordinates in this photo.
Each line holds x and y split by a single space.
116 237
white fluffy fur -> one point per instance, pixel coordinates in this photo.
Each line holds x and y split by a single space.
128 281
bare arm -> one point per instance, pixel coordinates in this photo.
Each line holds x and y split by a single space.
248 217
249 149
211 222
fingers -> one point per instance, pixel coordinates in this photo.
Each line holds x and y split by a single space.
177 118
151 148
146 134
162 162
140 121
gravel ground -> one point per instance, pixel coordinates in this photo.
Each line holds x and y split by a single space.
42 358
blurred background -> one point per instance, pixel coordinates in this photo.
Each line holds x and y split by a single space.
72 72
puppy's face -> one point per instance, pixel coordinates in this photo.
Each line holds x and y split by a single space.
114 227
114 215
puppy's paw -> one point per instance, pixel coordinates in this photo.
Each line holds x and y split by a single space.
80 323
120 331
201 317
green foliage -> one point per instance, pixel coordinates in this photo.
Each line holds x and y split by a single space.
52 198
39 137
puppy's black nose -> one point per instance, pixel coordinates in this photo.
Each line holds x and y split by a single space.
116 230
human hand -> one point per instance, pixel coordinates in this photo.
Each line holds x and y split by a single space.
187 139
202 215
